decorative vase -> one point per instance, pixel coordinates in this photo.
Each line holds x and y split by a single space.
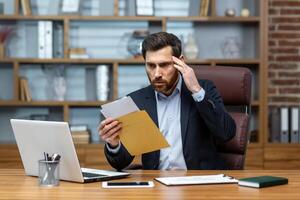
134 45
59 87
231 48
190 48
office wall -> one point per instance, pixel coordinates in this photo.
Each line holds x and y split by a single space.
284 52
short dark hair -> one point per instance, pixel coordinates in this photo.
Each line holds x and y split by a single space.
160 40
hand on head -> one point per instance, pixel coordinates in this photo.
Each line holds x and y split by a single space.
188 75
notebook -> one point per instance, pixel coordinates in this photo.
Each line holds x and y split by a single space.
262 181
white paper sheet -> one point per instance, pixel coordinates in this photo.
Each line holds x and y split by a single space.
193 180
119 108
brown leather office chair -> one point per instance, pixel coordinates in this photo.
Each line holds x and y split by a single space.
234 85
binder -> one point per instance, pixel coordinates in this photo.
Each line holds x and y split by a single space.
58 43
294 125
194 7
274 126
284 118
130 9
41 39
48 39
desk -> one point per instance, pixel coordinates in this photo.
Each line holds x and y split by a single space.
15 185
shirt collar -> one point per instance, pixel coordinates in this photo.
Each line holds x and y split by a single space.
177 90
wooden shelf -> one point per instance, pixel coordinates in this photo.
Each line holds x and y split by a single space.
125 61
53 103
82 18
216 19
281 145
254 145
133 18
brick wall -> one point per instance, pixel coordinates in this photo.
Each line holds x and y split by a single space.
284 52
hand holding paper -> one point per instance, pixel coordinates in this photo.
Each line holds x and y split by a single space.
138 134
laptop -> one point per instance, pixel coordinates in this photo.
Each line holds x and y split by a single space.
36 137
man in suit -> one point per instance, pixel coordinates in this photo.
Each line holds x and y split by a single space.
189 113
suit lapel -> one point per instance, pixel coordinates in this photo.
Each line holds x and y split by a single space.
151 108
150 104
186 102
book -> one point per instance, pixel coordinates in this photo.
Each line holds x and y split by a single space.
21 90
27 90
70 6
81 137
26 8
262 181
78 53
78 127
202 6
197 180
25 94
206 7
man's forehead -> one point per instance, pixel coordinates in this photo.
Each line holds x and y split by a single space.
159 61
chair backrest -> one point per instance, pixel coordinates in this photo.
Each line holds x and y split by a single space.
234 85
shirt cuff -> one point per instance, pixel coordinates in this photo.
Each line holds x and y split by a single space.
115 149
199 96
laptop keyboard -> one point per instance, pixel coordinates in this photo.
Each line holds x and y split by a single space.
91 175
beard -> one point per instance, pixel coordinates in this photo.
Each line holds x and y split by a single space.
164 86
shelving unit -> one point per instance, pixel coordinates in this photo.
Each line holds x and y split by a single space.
103 37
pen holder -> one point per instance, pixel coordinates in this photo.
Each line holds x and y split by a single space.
48 173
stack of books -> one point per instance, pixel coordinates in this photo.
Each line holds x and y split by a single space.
79 53
25 94
80 134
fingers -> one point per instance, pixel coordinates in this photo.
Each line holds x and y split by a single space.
179 68
109 130
180 65
105 122
179 62
112 132
114 139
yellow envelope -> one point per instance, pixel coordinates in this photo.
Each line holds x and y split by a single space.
139 134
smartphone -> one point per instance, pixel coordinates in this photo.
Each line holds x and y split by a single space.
134 184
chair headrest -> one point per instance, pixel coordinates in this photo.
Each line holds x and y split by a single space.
233 83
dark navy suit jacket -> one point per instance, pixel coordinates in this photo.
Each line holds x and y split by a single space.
202 125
